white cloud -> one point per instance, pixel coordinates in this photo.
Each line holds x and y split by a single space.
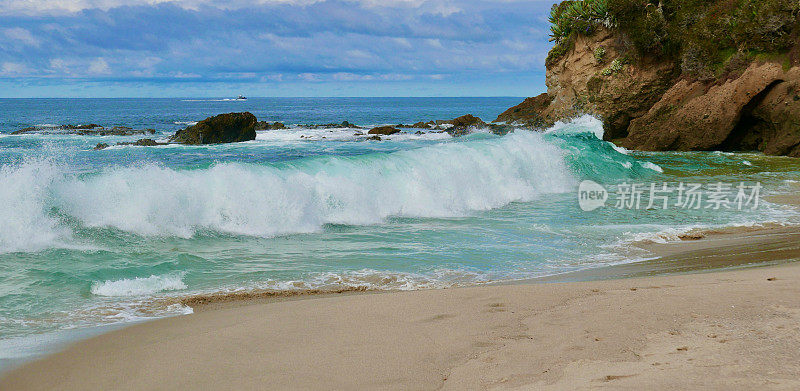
21 35
13 69
99 67
443 7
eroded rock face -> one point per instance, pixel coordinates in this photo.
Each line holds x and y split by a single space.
223 128
597 77
772 123
756 111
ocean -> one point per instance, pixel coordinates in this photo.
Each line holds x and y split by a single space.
91 238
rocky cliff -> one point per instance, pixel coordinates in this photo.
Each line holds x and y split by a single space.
672 84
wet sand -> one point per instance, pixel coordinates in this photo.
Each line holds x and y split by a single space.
728 329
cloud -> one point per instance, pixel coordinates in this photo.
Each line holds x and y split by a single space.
12 69
20 36
276 41
99 67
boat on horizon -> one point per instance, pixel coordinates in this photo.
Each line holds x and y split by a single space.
241 97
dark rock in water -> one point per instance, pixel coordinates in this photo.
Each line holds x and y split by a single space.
384 130
464 124
83 127
529 112
264 125
419 132
348 125
86 130
374 138
418 125
145 142
101 146
500 130
467 120
26 130
60 129
118 131
148 142
344 124
223 128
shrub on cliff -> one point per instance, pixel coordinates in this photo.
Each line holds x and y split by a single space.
708 37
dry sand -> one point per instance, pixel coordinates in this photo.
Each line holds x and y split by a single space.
721 330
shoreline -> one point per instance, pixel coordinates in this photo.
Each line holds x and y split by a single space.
357 340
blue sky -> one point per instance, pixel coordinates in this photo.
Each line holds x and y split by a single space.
153 48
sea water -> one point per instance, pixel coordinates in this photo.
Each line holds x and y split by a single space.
101 237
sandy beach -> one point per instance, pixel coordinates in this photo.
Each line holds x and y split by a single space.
728 329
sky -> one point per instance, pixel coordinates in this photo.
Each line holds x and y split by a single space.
206 48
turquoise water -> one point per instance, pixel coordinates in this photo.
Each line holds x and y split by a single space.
89 238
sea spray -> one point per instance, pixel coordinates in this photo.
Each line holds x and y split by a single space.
25 222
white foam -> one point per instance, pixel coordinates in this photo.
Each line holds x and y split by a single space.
292 135
139 286
620 149
378 280
445 180
582 124
652 166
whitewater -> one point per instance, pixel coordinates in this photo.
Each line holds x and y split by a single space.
91 238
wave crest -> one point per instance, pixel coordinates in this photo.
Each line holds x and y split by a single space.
445 180
139 286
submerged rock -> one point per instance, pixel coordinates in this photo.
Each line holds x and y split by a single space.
344 124
384 130
101 146
264 125
85 130
223 128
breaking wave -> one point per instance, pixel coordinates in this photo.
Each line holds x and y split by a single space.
44 202
139 286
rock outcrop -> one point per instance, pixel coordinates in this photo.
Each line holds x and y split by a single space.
384 130
223 128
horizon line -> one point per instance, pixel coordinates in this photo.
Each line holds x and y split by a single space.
266 97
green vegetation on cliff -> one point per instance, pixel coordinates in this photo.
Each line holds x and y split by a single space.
708 38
